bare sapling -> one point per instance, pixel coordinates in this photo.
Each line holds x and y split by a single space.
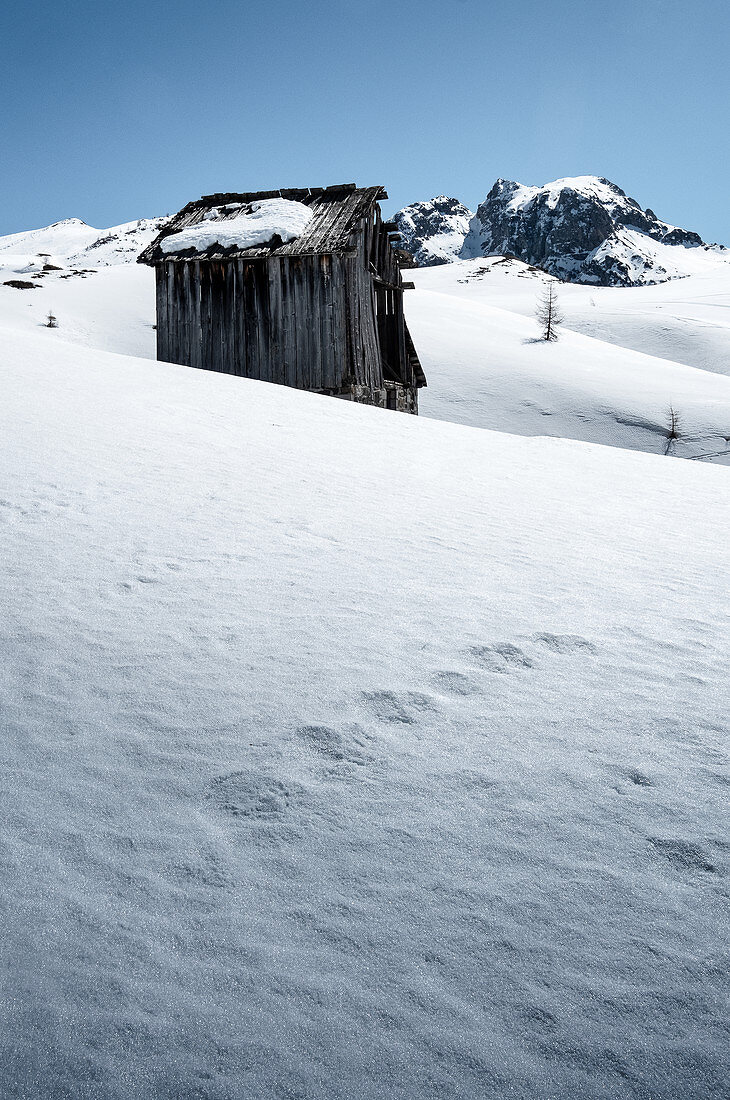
548 312
673 429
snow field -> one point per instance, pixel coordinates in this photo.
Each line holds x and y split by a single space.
351 754
111 308
483 364
488 368
684 320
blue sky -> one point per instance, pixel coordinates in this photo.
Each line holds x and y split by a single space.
112 111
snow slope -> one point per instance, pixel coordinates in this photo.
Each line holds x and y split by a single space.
350 754
111 308
473 323
121 244
60 239
74 244
687 320
482 364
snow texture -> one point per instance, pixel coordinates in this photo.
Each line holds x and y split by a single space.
251 224
350 754
474 325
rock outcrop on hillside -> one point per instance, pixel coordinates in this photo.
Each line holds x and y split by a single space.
433 232
582 229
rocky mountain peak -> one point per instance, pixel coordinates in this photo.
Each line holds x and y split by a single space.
583 229
433 232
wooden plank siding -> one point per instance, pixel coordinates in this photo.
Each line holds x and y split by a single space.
163 322
172 315
240 322
267 368
207 338
195 358
323 313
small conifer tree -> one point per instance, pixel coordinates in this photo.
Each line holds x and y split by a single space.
548 312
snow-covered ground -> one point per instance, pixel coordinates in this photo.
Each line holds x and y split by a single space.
348 754
685 320
87 278
109 308
473 323
649 347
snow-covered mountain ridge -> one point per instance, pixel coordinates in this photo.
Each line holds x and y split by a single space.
433 232
581 229
73 243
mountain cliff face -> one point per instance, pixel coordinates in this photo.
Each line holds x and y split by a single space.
583 229
433 232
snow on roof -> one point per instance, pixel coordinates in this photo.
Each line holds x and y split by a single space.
338 212
248 225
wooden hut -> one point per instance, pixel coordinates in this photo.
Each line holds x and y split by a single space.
322 311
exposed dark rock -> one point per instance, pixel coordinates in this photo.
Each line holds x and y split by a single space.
584 230
433 232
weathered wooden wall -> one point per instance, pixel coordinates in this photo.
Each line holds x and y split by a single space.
327 322
299 321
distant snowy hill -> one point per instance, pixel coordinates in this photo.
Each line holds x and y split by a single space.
60 239
120 244
73 243
583 229
434 232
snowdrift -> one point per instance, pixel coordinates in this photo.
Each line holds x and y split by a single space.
350 754
474 325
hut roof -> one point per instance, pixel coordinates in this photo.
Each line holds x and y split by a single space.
336 215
